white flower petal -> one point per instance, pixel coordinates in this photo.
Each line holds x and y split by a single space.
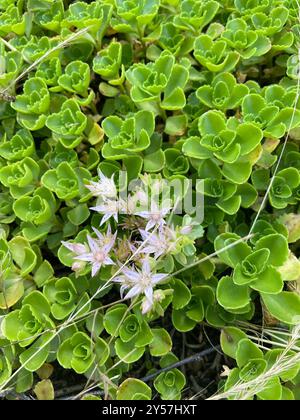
95 268
107 247
144 234
85 257
150 224
75 247
123 288
150 249
146 306
98 209
119 279
92 244
146 266
132 275
98 233
143 214
105 218
149 294
108 261
156 278
101 174
134 291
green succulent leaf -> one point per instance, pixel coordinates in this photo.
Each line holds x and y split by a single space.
253 369
272 390
21 145
35 356
129 136
108 63
231 296
149 172
161 81
273 356
284 306
133 389
64 181
35 99
127 353
82 15
76 353
161 344
195 14
68 124
269 281
169 384
214 55
181 321
278 247
113 319
246 351
231 255
76 77
230 338
23 255
181 295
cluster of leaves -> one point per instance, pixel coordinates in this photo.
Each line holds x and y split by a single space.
255 365
161 91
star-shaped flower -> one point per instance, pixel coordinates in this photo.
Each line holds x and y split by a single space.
77 249
155 215
140 282
158 243
110 208
96 252
104 188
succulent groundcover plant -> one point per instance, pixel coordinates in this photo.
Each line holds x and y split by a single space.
149 199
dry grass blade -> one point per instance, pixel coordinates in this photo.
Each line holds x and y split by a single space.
60 45
285 362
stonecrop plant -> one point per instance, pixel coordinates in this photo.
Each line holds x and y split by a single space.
150 199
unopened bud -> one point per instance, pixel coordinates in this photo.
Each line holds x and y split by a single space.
77 265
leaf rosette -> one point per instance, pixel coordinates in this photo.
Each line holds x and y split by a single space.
163 82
